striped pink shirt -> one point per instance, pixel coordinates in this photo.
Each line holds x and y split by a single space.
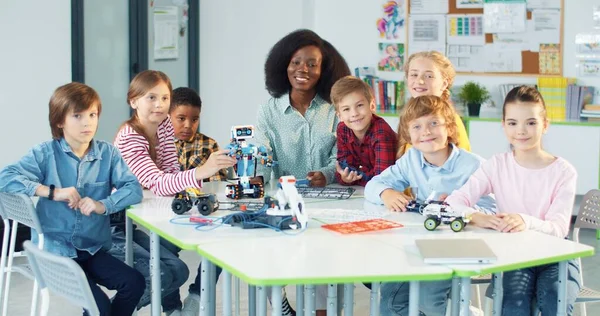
163 177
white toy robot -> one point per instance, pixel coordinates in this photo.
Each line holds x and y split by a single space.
289 202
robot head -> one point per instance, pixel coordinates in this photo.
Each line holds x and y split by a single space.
242 132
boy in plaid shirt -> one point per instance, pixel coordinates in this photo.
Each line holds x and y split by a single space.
193 147
365 141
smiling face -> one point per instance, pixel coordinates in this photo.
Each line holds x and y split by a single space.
524 125
304 69
153 107
79 128
428 134
356 112
425 78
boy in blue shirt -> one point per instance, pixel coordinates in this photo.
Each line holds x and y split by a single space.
73 175
433 164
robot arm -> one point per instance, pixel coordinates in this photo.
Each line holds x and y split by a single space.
294 201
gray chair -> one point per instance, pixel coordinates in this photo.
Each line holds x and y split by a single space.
63 277
17 208
587 218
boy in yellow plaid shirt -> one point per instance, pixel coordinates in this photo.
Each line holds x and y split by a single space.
193 147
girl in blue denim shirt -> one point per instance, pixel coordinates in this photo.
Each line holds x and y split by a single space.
73 175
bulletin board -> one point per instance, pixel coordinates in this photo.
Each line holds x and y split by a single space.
550 55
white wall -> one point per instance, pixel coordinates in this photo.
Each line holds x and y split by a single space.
106 33
235 38
34 60
350 25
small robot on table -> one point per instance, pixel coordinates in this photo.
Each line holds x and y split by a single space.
248 156
438 212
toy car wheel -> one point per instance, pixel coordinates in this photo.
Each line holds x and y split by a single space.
205 207
180 206
431 223
457 225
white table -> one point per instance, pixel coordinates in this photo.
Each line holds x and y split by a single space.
318 256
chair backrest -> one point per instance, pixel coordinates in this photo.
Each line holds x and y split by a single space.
61 276
589 211
20 208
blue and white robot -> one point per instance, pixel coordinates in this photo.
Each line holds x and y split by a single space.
248 156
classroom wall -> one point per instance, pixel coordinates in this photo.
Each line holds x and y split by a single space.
235 38
350 24
35 59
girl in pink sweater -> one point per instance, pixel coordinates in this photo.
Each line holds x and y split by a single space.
534 190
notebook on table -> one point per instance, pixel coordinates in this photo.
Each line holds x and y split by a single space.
455 251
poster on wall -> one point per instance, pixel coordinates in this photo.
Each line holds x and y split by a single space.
166 33
427 32
392 57
391 24
549 59
504 17
465 29
469 4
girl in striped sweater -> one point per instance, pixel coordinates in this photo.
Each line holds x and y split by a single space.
146 142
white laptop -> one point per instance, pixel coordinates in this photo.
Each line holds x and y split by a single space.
455 251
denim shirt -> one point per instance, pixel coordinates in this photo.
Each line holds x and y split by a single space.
67 230
412 170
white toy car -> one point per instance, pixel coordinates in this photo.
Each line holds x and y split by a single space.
438 212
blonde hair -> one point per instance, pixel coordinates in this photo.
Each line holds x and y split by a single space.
423 106
347 85
76 97
442 63
139 86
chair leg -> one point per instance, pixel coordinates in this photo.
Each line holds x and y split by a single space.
583 309
11 253
45 302
35 298
4 254
489 306
478 296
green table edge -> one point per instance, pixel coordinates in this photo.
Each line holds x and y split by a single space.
334 280
522 265
160 233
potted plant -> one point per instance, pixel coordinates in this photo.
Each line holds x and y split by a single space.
473 94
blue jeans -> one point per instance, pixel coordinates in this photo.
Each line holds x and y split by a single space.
520 287
108 271
174 272
433 298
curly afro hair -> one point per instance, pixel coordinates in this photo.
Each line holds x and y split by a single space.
333 66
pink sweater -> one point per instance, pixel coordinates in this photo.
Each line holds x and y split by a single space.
543 197
163 176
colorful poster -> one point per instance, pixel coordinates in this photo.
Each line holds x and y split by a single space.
392 57
465 29
549 59
589 67
391 25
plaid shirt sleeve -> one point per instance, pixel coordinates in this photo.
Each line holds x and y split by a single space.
384 143
195 153
343 149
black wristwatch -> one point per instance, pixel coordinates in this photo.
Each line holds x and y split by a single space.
51 192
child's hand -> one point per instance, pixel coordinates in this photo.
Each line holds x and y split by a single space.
346 175
486 220
511 223
69 195
316 178
216 161
87 206
394 200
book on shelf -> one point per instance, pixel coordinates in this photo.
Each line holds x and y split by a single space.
579 102
390 95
